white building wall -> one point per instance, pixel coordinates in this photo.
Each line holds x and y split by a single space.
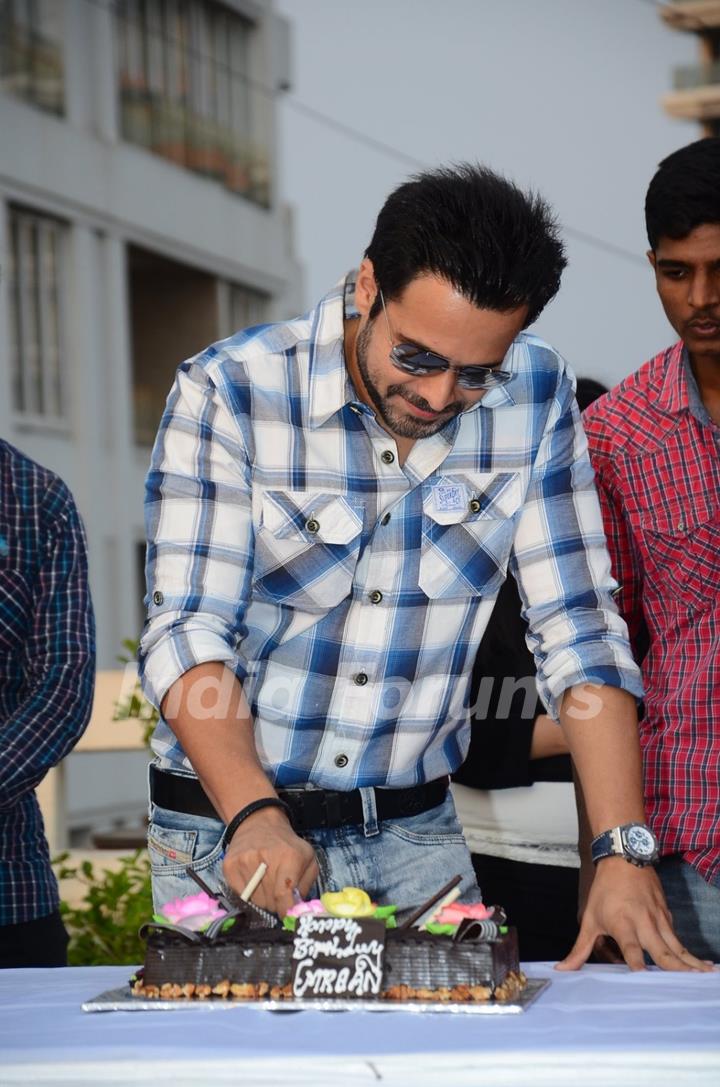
111 194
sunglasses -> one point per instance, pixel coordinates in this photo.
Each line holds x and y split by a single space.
421 363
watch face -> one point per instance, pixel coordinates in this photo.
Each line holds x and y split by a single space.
640 841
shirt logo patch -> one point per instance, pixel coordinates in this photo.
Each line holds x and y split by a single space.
449 497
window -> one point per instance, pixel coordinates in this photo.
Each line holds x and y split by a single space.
173 314
31 62
185 90
36 314
176 310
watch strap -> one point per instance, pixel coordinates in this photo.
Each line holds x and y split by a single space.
607 844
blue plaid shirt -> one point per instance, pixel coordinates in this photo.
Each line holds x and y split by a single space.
349 594
47 668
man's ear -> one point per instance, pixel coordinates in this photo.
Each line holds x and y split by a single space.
365 288
652 258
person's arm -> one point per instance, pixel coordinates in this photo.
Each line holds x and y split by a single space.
200 564
548 740
564 575
59 655
625 902
208 712
627 571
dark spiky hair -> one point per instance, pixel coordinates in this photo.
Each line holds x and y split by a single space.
497 245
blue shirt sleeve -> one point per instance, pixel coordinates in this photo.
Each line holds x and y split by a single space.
57 669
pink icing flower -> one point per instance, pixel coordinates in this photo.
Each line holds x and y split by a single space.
314 905
457 912
195 912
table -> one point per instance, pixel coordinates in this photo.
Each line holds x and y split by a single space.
602 1025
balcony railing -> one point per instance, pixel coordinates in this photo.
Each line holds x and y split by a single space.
690 77
186 93
31 66
201 144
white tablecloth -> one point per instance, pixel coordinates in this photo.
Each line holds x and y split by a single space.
602 1025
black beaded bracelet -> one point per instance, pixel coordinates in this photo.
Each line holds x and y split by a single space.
250 809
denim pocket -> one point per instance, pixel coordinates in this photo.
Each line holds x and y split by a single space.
439 826
176 840
169 848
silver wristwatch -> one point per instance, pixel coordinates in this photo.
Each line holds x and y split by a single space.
633 841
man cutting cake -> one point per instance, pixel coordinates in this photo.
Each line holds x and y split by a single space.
331 509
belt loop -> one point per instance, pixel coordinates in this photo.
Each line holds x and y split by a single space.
369 807
150 772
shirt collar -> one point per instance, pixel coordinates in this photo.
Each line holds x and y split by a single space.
673 395
695 403
679 388
330 387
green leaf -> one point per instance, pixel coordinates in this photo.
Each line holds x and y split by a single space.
440 930
382 912
103 926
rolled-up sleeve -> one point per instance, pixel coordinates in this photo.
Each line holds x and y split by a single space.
198 518
561 562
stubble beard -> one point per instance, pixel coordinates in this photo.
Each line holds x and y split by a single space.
404 426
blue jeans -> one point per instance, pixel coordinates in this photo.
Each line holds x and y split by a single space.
400 861
695 907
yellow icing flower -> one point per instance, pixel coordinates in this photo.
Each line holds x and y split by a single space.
350 902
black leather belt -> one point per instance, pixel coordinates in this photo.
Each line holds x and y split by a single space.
311 808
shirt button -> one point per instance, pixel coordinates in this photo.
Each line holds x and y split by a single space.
360 679
386 519
387 456
341 760
158 597
375 596
312 525
474 505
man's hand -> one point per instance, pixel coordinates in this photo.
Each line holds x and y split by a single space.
627 904
267 836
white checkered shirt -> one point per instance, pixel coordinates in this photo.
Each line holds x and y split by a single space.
349 594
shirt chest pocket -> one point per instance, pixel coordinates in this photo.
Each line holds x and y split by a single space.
306 549
682 552
468 530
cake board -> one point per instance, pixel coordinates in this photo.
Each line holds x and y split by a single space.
122 999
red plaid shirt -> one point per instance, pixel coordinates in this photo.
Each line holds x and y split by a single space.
657 458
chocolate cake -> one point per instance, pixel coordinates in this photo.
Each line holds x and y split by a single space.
239 957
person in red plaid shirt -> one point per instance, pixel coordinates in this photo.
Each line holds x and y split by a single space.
655 444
